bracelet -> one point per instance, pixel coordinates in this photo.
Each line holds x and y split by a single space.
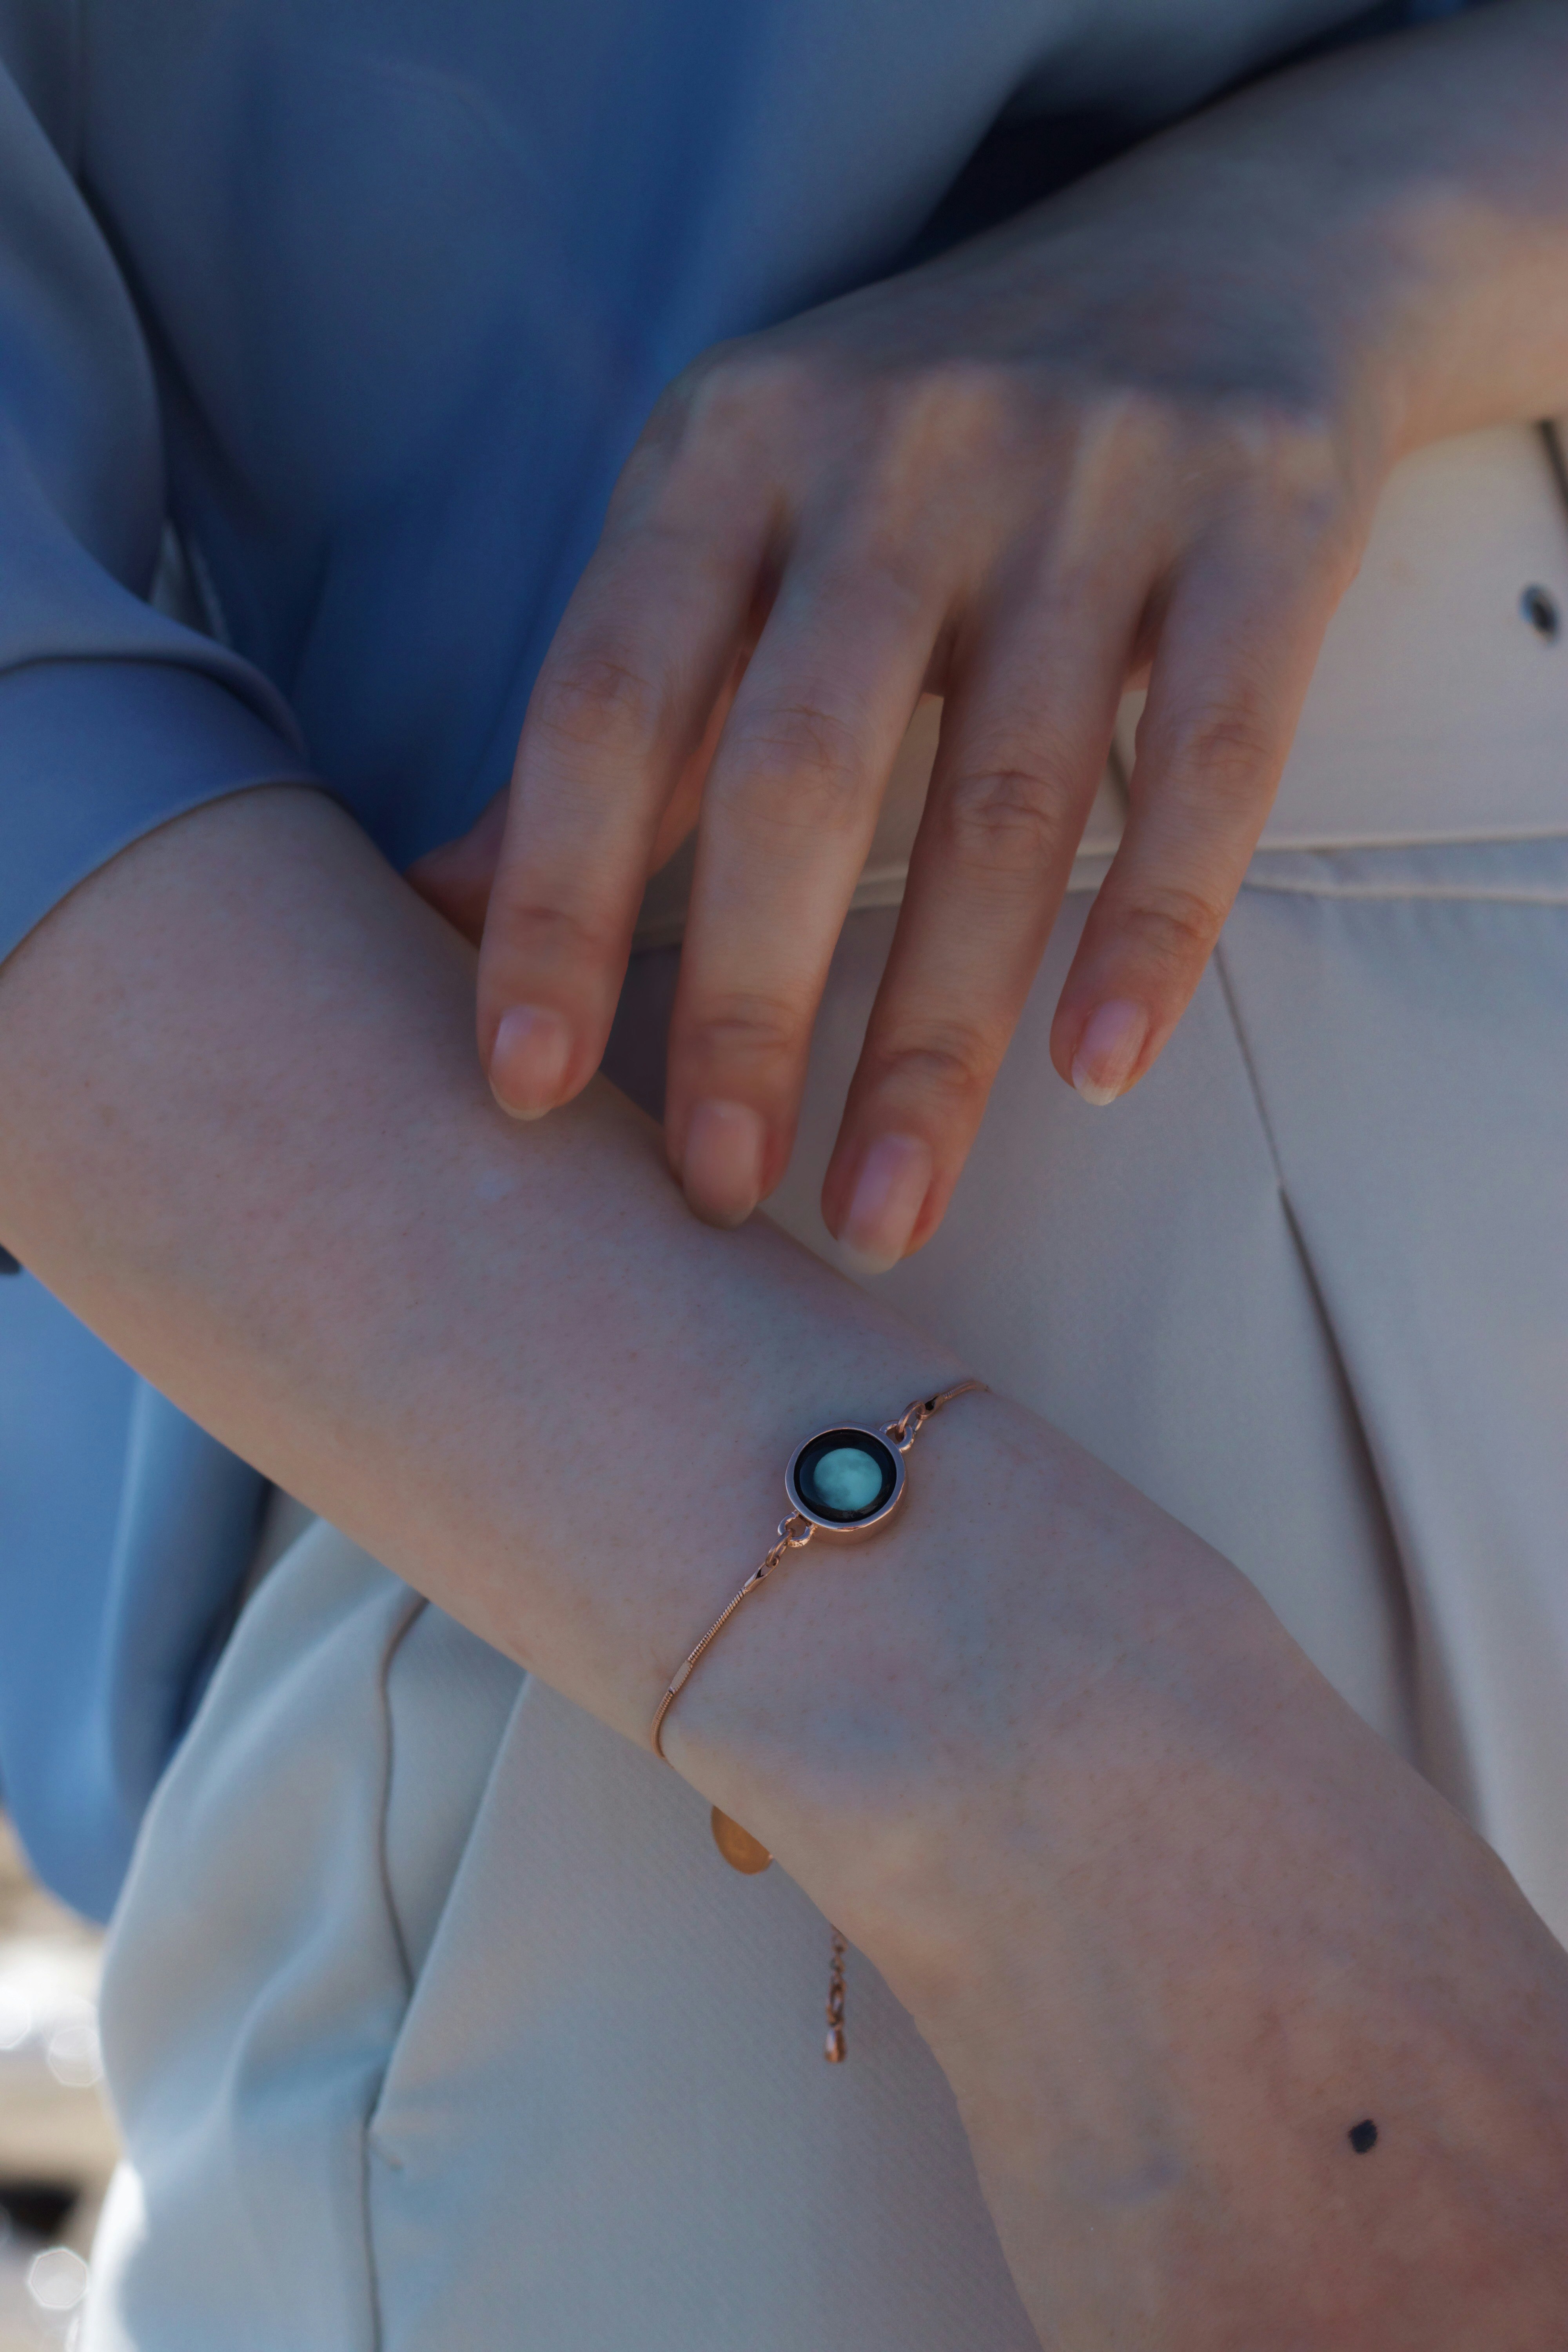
844 1485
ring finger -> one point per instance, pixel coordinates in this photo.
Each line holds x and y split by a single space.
1024 741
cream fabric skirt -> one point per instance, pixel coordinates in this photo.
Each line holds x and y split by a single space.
433 2017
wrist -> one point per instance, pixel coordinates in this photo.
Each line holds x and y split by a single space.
893 1720
1414 192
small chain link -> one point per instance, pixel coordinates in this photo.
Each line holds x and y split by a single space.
921 1411
836 2049
795 1533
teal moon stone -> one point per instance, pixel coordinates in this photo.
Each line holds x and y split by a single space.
847 1480
845 1475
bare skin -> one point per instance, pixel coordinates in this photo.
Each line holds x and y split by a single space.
1171 1917
1139 431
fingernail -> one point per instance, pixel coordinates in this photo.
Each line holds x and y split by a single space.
528 1060
721 1173
1111 1043
889 1193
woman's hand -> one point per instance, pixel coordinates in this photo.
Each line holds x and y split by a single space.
1140 430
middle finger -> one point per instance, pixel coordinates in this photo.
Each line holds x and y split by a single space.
790 809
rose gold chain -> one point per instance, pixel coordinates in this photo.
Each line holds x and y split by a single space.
793 1534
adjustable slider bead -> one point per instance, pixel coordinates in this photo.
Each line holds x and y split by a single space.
740 1848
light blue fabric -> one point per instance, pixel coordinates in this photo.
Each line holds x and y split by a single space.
370 298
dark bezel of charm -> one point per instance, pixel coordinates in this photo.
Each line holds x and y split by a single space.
801 1487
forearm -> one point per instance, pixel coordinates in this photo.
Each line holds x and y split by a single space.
1451 148
1040 1753
246 1139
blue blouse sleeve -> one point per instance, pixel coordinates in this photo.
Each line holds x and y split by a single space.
113 717
124 1529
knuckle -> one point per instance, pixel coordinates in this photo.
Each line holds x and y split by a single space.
556 938
738 386
1293 444
754 1030
1295 459
1172 928
669 419
947 1060
1006 820
1227 751
929 442
955 401
1271 449
814 751
1122 426
597 699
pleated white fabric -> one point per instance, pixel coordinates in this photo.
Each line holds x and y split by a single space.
433 2017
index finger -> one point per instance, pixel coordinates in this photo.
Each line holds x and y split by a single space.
787 819
640 659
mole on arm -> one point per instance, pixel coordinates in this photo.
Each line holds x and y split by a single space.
1362 2136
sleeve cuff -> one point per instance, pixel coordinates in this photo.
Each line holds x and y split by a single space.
93 754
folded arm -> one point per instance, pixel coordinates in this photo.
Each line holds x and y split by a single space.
1172 1918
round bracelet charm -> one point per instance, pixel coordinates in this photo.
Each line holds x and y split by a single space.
846 1481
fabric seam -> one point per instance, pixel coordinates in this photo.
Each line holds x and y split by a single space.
1390 1544
1427 890
1233 1014
384 1874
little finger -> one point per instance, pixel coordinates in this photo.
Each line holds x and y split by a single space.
1232 664
619 711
